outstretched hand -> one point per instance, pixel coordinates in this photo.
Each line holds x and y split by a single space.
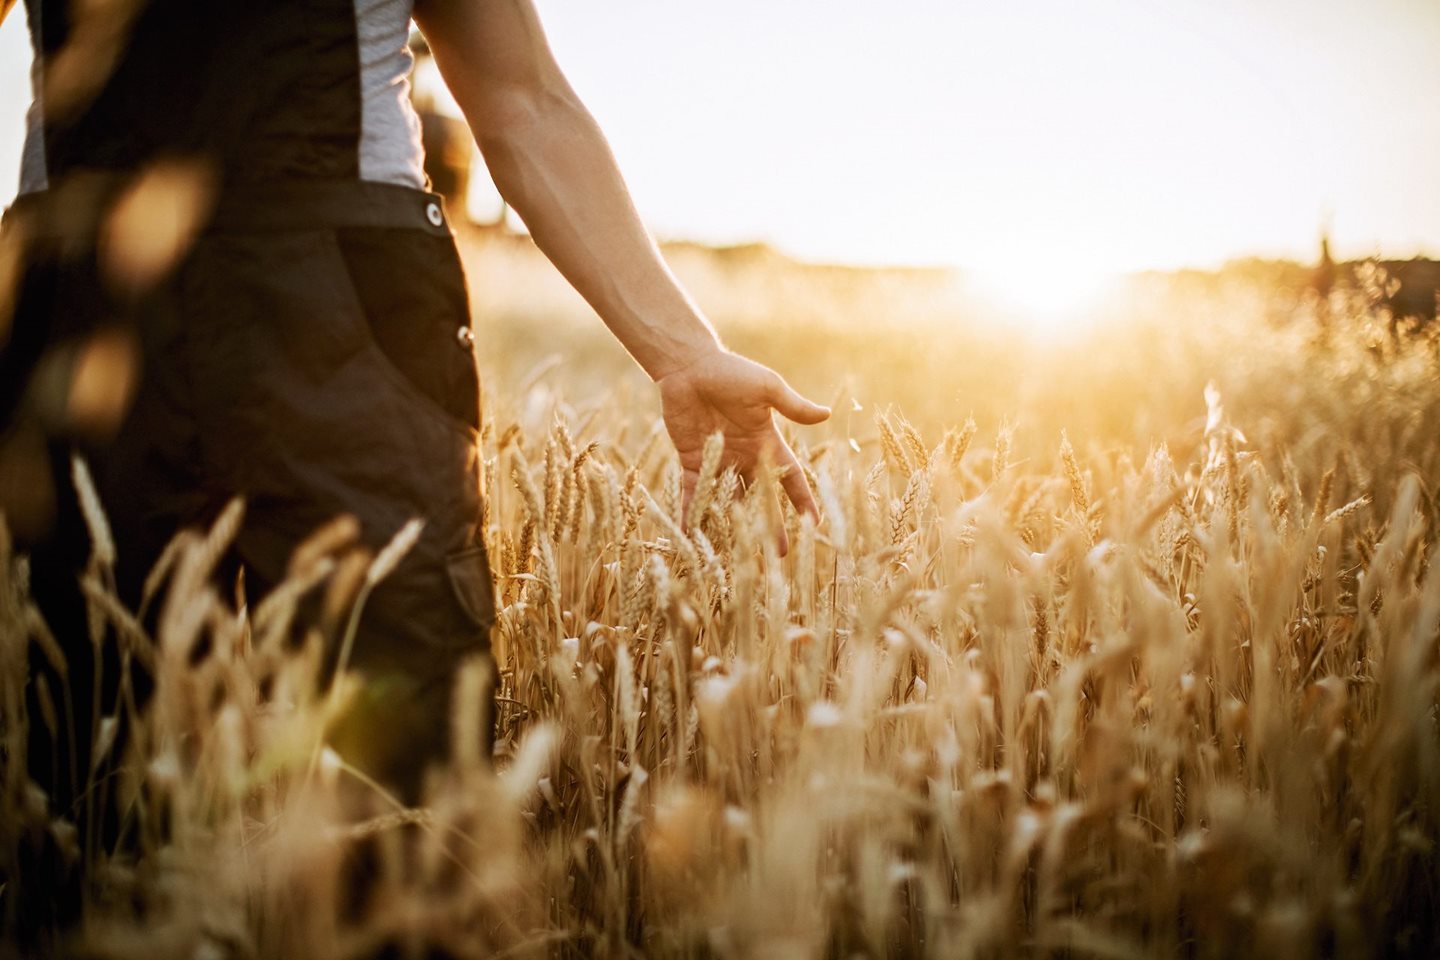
726 393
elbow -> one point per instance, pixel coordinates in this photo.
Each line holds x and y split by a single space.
517 113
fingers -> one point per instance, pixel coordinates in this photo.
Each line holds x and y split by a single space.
793 406
782 541
689 479
793 481
747 472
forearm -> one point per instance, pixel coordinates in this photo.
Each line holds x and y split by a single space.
552 164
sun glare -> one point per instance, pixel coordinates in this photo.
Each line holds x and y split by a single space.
1049 299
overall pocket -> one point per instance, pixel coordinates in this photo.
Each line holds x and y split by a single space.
410 287
308 414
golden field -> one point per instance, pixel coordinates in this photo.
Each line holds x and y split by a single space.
1122 644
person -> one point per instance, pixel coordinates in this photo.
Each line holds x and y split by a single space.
309 346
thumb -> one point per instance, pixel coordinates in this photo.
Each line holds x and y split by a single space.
795 407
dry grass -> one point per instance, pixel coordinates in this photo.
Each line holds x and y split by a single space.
1161 685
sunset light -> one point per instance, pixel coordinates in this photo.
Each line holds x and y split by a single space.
1134 135
1058 299
763 480
1130 135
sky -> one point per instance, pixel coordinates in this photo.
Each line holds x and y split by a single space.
1107 135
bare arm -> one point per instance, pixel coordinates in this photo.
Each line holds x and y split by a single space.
551 163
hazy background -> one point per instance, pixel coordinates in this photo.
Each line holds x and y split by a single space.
1101 136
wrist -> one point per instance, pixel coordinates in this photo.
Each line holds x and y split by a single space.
681 354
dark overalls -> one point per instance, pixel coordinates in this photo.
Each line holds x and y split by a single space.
311 352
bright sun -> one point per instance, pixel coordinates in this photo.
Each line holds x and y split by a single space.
1048 298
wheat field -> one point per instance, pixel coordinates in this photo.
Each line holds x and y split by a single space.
1121 647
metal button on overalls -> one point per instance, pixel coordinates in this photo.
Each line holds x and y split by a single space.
433 213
